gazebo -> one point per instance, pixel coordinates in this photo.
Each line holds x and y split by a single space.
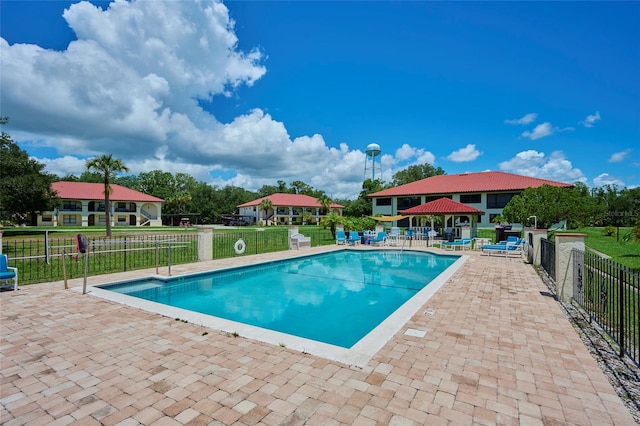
450 210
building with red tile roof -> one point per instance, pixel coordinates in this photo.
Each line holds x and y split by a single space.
486 191
287 209
83 205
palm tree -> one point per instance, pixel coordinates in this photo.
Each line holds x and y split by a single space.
265 205
325 202
307 217
331 221
108 167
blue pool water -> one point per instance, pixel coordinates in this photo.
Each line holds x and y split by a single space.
335 298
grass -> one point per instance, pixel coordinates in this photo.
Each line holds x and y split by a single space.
624 253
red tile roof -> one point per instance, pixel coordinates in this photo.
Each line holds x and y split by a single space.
95 191
290 200
466 183
441 206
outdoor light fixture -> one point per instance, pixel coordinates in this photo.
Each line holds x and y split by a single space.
535 221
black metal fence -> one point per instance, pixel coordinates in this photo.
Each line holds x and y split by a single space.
51 259
257 241
608 292
45 259
548 257
242 243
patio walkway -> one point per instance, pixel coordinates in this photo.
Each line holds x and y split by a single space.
496 351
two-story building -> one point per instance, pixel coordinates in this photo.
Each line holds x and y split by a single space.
83 205
487 191
287 209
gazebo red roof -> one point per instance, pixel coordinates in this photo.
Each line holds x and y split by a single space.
441 206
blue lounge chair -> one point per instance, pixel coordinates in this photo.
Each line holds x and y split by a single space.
512 245
381 238
7 273
341 237
354 238
453 245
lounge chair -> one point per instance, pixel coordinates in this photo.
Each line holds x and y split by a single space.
354 238
462 243
512 245
7 273
380 239
341 237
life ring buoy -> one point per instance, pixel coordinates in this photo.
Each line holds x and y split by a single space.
239 246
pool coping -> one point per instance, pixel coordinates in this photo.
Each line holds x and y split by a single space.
359 354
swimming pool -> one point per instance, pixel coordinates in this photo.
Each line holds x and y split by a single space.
334 299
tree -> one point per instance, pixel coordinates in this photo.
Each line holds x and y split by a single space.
325 202
307 217
299 187
265 206
550 204
24 187
331 221
109 167
415 173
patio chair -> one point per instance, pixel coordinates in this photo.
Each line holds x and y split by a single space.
380 239
7 273
462 243
341 237
354 238
394 236
512 245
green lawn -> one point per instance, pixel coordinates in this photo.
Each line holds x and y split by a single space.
624 253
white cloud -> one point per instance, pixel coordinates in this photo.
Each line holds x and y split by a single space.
405 152
617 157
540 131
526 119
129 84
591 119
63 166
607 179
537 164
468 153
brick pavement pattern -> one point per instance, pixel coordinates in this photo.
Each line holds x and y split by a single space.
497 351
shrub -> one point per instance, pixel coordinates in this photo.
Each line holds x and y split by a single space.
608 231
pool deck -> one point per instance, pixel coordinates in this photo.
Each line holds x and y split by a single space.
489 347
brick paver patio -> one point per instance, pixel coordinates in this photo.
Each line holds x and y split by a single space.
497 350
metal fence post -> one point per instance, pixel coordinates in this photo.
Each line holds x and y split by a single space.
621 321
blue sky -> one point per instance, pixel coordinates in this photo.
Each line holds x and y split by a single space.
248 93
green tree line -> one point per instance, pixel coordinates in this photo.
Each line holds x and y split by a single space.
25 188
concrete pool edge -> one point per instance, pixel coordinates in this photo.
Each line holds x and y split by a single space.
358 355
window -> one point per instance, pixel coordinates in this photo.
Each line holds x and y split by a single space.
69 220
408 202
47 218
498 201
492 216
71 205
383 201
471 198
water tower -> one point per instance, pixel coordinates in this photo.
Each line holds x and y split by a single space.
370 163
